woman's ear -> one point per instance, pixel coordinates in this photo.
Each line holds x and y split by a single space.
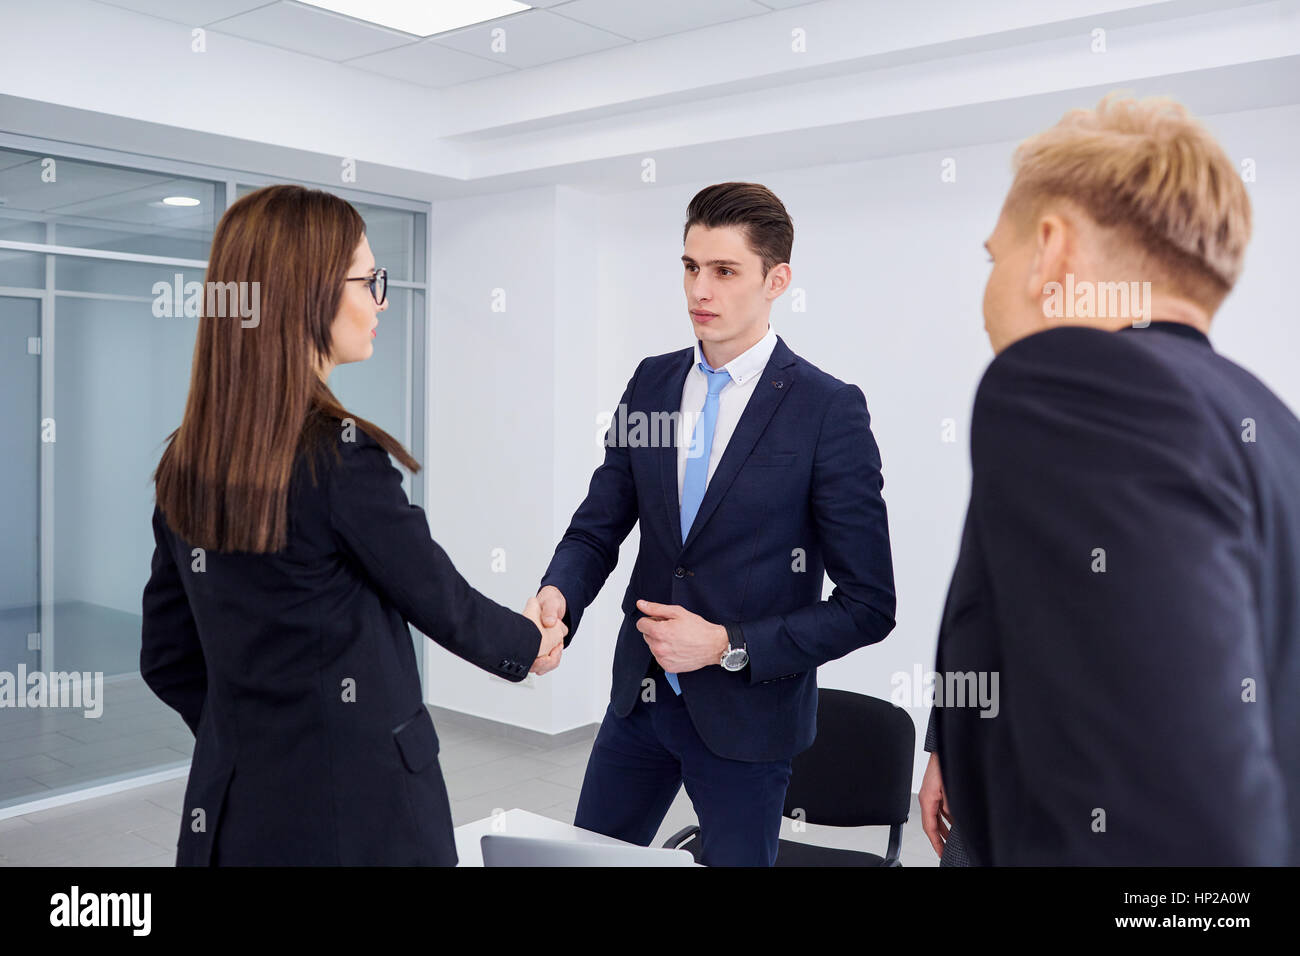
1051 258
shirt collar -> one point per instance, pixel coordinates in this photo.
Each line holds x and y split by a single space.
749 362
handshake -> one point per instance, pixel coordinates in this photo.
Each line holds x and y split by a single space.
680 640
546 610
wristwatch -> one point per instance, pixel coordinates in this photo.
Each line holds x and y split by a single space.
736 656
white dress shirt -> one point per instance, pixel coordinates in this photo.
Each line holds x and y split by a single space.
745 369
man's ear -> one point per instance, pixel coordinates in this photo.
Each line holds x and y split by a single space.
778 280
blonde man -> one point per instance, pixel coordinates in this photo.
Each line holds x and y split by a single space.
1131 554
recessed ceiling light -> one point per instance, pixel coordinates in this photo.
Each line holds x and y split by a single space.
180 201
421 17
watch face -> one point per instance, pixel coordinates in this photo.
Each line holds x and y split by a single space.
735 659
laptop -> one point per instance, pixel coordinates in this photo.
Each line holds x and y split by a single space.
501 850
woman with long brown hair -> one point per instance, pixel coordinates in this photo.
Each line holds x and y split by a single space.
289 563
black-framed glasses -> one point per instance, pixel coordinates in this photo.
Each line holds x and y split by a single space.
378 283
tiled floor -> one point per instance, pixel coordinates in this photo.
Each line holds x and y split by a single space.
486 766
49 750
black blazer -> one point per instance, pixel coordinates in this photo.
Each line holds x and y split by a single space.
796 495
1156 697
297 674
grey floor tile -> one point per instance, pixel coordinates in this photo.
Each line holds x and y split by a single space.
38 744
101 849
19 788
493 776
111 766
164 835
29 765
571 755
564 811
170 795
479 751
106 751
570 776
531 795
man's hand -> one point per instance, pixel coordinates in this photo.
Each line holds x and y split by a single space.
680 640
549 606
553 605
552 636
934 806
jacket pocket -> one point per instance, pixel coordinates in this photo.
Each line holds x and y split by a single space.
416 741
775 460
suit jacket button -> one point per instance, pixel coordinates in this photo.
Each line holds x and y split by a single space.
679 573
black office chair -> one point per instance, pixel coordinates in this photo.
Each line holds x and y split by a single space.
857 773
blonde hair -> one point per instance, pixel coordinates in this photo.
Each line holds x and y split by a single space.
1151 170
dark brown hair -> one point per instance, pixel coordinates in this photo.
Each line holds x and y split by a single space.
755 209
255 397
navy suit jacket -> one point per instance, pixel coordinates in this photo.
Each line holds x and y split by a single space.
796 494
1147 712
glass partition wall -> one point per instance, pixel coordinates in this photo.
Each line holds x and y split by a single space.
93 382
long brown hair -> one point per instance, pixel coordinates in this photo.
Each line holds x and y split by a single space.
255 397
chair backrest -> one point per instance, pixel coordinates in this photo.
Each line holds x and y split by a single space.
858 772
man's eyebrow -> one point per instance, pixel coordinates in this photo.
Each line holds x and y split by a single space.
714 262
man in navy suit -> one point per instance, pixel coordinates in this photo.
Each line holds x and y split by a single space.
1131 552
764 477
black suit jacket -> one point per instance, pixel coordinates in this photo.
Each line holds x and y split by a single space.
795 495
1147 712
297 674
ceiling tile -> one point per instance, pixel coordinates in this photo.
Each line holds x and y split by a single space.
531 38
313 31
429 64
194 12
641 20
785 4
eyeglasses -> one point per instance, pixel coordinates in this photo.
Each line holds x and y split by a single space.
378 283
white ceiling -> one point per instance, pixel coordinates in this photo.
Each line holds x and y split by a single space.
553 30
877 77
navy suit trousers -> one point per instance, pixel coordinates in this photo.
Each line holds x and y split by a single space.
640 761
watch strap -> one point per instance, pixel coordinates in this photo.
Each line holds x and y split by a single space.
735 636
736 640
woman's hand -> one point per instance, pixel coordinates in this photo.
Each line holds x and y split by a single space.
551 644
935 819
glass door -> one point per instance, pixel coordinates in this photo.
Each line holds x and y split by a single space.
20 484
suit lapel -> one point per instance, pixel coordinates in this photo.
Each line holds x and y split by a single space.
770 389
670 400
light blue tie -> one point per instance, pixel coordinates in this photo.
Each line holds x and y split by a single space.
697 463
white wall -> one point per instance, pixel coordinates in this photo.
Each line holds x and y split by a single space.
492 397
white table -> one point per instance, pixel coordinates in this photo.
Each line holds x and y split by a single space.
518 822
